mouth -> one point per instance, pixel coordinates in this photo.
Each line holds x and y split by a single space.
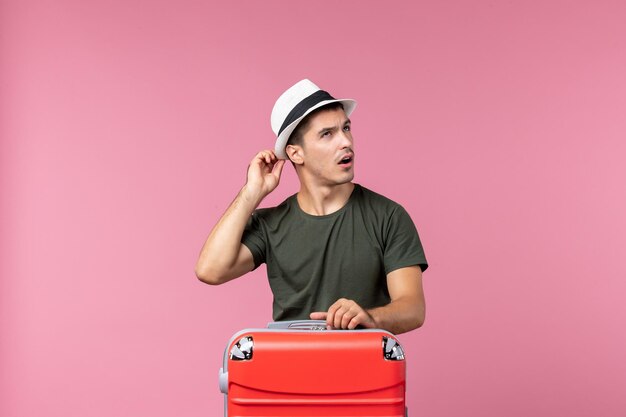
346 160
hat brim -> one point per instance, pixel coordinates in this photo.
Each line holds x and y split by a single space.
281 141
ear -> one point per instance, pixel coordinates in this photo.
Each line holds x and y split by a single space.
294 153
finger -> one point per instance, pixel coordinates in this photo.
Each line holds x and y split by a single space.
354 323
263 156
330 315
354 313
336 312
338 321
278 167
318 315
271 156
365 319
259 159
347 319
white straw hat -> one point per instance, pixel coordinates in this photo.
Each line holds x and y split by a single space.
293 106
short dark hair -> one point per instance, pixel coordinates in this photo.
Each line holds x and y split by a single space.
297 136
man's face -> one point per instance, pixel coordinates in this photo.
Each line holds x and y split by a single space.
327 149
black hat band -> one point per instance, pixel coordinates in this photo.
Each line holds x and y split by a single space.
302 107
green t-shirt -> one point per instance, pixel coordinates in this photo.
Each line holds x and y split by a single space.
312 261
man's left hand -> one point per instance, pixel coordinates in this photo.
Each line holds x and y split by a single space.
345 314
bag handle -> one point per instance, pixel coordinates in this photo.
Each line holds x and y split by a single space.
298 325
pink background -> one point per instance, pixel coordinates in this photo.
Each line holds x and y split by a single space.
126 128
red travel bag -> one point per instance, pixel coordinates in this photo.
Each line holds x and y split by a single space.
301 369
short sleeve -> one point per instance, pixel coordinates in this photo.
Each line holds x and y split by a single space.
403 247
254 239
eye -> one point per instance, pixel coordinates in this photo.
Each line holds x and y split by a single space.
326 134
347 128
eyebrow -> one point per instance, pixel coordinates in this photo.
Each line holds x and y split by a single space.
326 129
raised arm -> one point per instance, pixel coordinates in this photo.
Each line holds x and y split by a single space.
405 312
223 257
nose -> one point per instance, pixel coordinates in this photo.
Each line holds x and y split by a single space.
346 139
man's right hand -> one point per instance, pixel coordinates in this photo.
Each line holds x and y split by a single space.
264 174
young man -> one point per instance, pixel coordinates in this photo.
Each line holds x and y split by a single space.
334 251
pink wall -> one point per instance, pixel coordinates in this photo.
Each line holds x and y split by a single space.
126 127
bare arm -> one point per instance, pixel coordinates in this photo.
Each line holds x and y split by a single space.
407 309
405 312
223 257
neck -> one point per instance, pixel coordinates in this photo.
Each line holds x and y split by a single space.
323 200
